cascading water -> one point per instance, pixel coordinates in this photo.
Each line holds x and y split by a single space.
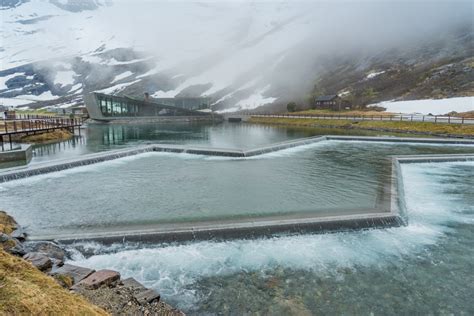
315 273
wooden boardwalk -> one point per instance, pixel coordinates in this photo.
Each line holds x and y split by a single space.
11 128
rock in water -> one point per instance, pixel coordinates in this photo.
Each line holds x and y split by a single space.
19 233
147 296
133 284
39 260
48 248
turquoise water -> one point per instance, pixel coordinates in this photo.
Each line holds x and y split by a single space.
423 268
97 138
143 191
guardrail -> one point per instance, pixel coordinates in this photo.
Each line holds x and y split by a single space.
9 128
445 119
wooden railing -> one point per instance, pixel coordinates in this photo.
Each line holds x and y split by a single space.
10 128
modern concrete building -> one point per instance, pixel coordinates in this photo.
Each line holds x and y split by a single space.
103 107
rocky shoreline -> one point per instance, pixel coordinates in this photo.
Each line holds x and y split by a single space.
103 288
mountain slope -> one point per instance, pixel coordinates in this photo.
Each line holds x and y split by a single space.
241 54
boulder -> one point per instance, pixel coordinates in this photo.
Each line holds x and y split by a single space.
99 278
39 260
57 263
76 273
133 284
4 237
18 249
147 296
19 233
48 248
11 245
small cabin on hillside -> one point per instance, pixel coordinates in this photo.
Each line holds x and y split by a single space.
332 102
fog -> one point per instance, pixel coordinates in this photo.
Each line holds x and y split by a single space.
229 46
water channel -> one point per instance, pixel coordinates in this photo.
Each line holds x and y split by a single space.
424 266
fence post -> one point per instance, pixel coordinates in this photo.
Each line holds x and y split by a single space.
436 118
462 120
449 119
423 118
411 119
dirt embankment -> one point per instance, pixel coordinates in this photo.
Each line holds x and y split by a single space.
26 290
34 280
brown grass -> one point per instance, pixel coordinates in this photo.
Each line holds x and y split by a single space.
7 223
56 135
343 113
469 114
24 290
392 126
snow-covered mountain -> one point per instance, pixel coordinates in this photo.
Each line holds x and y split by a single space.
242 54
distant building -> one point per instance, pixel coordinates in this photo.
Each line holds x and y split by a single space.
195 104
332 102
109 107
79 110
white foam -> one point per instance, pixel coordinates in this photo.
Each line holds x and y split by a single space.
96 167
405 143
173 268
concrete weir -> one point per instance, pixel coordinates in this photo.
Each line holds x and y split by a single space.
389 210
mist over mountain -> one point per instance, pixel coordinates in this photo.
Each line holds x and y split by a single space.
241 54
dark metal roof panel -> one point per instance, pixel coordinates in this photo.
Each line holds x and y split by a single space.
326 97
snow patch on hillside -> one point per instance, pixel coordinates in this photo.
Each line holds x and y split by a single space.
374 74
3 80
253 101
117 88
123 75
77 88
165 94
64 78
435 107
9 102
45 96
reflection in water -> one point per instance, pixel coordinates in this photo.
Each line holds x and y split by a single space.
102 137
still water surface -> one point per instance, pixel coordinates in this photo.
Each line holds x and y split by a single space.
134 193
97 138
423 268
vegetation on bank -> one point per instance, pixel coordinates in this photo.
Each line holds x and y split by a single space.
25 290
7 223
326 112
56 135
391 126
